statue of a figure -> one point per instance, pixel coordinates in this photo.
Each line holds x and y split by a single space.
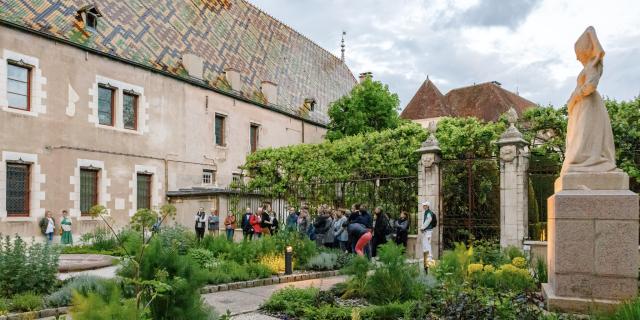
590 145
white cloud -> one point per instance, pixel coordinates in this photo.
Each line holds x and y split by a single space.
525 44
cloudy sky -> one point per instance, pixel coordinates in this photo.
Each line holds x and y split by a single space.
527 45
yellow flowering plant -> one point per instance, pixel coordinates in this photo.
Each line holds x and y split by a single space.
519 262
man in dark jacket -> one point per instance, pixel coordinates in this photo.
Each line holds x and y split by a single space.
380 230
360 222
322 225
247 230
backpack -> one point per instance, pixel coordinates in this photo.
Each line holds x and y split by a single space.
434 220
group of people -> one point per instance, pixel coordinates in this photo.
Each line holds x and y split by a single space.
259 223
354 230
48 227
211 222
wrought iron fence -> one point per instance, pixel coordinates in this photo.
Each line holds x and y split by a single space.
470 200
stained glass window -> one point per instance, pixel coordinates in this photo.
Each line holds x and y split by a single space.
130 111
17 189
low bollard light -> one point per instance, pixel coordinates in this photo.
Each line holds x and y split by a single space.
288 260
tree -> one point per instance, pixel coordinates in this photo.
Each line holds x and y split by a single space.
370 106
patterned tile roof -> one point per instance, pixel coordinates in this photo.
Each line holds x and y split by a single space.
486 101
226 33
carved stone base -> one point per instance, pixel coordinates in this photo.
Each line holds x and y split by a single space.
617 180
573 304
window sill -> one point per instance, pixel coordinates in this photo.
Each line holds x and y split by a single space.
102 126
18 219
222 147
30 113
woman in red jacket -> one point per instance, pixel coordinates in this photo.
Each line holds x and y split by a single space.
254 221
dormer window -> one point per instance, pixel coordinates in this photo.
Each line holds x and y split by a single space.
90 15
310 103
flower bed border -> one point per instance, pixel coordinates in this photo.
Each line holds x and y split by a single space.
52 312
267 281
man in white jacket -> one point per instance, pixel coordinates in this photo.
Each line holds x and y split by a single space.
429 222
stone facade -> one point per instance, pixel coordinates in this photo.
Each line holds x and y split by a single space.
429 184
173 142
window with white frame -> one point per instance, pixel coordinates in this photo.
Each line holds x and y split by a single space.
19 85
118 105
208 177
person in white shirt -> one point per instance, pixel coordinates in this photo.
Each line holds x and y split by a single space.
428 223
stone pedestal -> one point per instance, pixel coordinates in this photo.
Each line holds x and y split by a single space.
592 242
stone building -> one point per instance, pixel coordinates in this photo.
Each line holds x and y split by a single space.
121 102
485 101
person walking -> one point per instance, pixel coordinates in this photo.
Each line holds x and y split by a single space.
213 223
429 222
230 225
247 229
48 226
401 227
65 224
381 230
292 219
340 230
255 221
201 222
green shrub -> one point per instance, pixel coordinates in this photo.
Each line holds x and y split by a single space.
627 311
356 285
88 249
323 261
203 257
27 301
4 306
512 252
389 311
452 267
82 284
540 271
515 279
258 271
275 262
181 274
291 301
178 238
96 307
101 239
328 312
394 279
344 259
33 268
488 252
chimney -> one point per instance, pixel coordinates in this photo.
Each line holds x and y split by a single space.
193 64
270 91
233 77
365 75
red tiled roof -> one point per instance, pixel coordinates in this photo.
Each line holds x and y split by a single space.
428 102
486 101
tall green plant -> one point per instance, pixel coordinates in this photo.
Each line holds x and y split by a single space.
27 267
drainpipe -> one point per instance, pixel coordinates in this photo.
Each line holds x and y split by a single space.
302 121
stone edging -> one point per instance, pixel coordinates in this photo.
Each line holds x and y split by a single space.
267 281
38 314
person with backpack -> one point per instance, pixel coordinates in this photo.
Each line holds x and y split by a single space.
247 229
429 222
381 230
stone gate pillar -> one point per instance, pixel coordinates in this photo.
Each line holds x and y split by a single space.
514 185
429 189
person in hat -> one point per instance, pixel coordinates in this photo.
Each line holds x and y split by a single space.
429 222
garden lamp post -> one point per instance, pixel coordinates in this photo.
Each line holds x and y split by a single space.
288 259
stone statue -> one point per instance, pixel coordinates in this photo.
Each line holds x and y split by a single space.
590 145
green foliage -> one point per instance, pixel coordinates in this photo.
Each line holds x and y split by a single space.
462 138
629 310
452 267
488 252
369 107
393 279
356 285
177 237
4 307
82 284
202 257
101 239
113 307
231 271
376 154
391 311
483 303
275 262
177 271
291 301
323 261
27 301
625 122
33 268
540 271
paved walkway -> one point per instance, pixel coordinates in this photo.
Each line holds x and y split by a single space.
243 302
